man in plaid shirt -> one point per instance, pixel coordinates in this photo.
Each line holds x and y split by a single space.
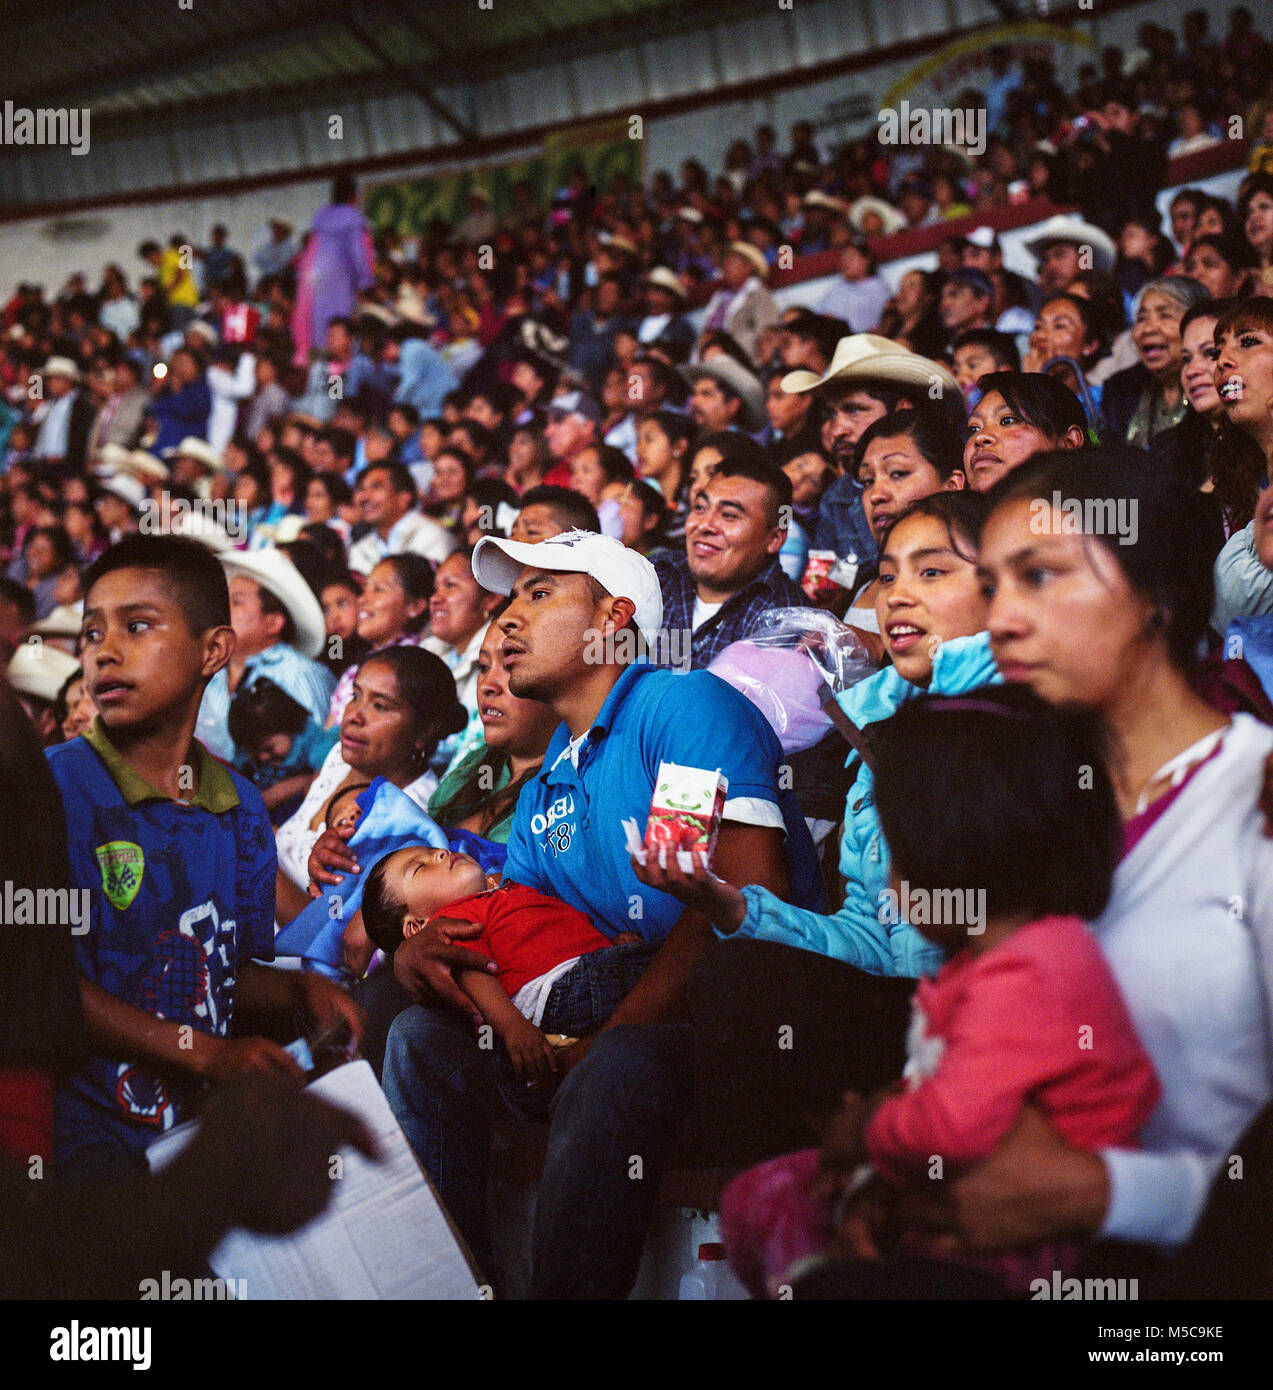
729 574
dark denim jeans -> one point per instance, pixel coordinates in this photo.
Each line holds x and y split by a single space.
587 994
612 1123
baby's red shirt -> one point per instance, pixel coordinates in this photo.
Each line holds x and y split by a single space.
526 933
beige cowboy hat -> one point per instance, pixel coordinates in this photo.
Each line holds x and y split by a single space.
665 279
409 305
111 458
272 570
753 255
724 370
1064 227
869 357
892 219
201 328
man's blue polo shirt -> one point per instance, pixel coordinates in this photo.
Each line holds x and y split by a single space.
567 837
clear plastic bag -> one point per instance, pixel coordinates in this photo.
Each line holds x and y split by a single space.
783 664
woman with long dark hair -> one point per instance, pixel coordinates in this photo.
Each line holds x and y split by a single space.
402 706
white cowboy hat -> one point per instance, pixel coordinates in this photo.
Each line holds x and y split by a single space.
892 219
144 465
665 279
65 620
815 198
869 357
199 526
378 312
1064 227
409 304
204 330
753 255
727 372
63 367
40 669
127 488
111 458
272 570
201 451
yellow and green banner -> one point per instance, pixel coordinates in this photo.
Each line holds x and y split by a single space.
601 149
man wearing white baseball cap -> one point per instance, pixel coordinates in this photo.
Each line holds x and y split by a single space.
576 600
279 630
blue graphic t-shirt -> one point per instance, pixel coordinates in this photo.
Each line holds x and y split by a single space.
180 894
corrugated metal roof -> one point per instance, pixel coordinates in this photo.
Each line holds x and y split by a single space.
226 89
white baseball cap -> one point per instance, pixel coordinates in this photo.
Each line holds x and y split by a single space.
621 572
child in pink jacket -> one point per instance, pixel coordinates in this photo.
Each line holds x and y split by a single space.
1004 834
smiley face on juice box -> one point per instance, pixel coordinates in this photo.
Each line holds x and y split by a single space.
686 809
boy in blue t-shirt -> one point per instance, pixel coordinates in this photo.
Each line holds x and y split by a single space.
178 856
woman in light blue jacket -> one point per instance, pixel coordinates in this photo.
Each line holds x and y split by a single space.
844 989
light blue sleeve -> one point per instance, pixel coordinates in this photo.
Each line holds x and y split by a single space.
851 936
1242 584
839 936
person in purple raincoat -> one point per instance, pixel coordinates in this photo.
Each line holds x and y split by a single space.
337 262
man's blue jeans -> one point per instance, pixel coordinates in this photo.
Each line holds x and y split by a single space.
612 1123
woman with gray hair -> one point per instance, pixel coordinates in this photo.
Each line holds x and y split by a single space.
1146 399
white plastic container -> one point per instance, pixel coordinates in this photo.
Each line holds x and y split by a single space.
710 1278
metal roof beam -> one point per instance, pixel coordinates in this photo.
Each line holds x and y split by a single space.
408 77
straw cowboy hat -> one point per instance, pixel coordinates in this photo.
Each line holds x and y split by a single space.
869 357
40 670
665 279
724 370
1063 227
272 570
752 255
201 451
892 219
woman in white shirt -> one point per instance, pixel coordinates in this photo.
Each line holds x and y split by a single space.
1100 602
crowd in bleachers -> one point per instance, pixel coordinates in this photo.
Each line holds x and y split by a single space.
382 573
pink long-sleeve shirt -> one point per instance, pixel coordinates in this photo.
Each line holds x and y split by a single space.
1038 1020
